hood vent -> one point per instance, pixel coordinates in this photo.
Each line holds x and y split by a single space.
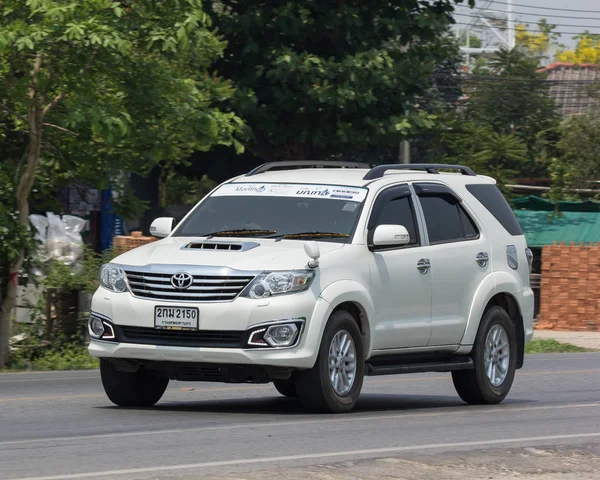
222 246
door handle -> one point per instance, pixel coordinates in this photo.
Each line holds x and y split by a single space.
423 265
482 259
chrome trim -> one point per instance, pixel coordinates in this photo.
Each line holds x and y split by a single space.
157 277
423 265
183 293
196 270
512 257
266 325
482 259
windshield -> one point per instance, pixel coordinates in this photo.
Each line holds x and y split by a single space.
323 212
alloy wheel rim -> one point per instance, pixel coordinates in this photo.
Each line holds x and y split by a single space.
342 362
496 355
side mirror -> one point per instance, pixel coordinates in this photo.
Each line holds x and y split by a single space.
161 227
390 236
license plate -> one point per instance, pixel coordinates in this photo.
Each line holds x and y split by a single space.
176 318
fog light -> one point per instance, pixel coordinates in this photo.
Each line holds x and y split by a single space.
96 327
281 335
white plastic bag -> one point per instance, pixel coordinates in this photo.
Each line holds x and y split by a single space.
57 240
41 225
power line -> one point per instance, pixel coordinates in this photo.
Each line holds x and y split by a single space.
535 7
558 25
504 28
537 15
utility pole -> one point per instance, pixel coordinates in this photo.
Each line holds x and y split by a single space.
511 23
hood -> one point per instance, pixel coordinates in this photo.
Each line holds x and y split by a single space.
256 253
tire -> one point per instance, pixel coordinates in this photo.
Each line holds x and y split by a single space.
131 389
286 387
315 388
475 386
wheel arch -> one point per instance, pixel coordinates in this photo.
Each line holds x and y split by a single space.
509 303
353 298
498 288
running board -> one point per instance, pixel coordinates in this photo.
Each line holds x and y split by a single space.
398 365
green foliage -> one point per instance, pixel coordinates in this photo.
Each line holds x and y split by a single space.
83 277
125 86
507 127
319 78
14 237
71 357
182 190
552 346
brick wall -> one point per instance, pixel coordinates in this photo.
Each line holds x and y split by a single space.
570 291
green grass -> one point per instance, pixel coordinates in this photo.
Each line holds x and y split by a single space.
74 357
552 346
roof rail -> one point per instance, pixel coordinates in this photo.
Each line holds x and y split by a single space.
291 164
379 171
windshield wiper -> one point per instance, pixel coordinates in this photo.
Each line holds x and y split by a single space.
316 235
241 232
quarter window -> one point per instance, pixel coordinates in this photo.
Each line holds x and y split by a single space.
446 220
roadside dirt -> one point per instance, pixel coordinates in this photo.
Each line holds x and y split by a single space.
556 463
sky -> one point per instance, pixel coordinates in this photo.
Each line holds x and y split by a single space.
530 11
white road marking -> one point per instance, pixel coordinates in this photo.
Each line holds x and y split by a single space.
50 378
314 456
466 410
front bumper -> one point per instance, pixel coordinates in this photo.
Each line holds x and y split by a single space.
123 309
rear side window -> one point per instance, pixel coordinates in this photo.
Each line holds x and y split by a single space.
446 220
493 200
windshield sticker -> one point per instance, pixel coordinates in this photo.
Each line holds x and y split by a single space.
334 192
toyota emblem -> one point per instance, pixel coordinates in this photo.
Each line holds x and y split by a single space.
182 281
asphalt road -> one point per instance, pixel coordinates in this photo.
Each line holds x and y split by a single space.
61 426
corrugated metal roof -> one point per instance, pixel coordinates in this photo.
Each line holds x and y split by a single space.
543 228
570 84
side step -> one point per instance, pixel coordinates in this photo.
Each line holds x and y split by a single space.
398 364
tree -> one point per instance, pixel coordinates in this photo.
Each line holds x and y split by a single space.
537 43
586 51
92 89
580 148
321 77
513 98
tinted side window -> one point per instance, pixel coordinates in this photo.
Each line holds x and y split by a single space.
446 220
399 212
492 199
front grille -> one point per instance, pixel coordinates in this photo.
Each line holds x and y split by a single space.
180 338
205 288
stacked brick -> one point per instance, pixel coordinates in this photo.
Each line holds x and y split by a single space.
570 290
123 244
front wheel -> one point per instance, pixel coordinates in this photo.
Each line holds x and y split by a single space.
131 389
334 383
286 388
495 358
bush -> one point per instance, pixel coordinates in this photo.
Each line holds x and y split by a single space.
69 357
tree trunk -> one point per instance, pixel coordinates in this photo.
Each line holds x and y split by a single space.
35 124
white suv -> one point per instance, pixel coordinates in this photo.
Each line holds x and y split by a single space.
312 275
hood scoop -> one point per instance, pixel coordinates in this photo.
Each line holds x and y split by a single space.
221 246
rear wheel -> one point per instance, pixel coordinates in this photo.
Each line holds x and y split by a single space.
286 388
495 358
335 382
131 389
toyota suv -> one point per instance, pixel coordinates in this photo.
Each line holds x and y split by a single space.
312 275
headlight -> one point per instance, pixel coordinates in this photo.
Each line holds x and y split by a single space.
113 278
277 283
